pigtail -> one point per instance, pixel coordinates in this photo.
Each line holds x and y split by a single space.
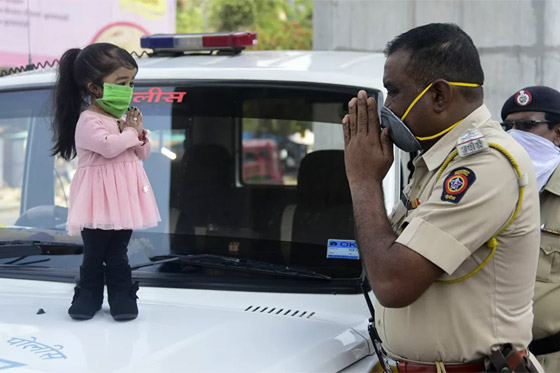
68 104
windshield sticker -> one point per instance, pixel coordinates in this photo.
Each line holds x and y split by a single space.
7 364
46 352
342 249
156 94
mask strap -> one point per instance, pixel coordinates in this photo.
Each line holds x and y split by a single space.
474 85
441 133
422 94
415 101
428 87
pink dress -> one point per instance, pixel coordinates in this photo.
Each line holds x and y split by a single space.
110 189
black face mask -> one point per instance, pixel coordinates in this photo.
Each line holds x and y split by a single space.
401 135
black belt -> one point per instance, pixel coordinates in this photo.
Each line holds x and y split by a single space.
546 345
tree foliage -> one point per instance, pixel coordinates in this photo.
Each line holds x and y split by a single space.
280 24
190 17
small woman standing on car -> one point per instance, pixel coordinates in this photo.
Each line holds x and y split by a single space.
110 194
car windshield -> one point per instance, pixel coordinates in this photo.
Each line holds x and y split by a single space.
253 171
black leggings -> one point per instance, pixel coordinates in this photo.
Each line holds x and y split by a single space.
109 246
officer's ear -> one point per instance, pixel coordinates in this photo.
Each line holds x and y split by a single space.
442 94
557 135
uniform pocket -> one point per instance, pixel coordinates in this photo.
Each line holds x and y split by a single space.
549 258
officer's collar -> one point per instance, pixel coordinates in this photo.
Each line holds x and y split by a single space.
553 184
436 155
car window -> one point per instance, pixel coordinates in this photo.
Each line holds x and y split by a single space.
280 127
274 148
13 139
252 170
21 113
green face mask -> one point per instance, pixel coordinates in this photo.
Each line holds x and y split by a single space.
116 99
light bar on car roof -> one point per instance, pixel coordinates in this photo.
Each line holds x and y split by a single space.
230 41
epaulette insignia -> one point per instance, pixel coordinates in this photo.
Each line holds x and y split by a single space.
456 184
471 142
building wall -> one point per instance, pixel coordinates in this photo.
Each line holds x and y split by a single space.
518 40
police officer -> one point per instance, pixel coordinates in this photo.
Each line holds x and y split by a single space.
533 116
452 268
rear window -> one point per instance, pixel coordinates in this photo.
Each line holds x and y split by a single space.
253 170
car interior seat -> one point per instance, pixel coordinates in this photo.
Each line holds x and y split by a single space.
206 195
323 208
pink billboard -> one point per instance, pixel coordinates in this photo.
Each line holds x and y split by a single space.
44 29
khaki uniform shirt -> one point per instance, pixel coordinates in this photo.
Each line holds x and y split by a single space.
547 288
461 322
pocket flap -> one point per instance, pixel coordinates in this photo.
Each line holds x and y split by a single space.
550 243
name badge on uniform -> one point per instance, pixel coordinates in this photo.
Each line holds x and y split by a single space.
471 142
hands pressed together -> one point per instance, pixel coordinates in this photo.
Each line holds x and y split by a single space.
133 119
368 150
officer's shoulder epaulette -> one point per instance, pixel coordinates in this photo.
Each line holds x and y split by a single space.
471 142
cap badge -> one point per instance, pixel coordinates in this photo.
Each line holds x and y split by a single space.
523 98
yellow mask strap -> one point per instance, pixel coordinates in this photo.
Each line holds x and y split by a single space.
422 94
415 101
439 134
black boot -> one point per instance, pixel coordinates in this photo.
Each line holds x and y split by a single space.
122 292
88 293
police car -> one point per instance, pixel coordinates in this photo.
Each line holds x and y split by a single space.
244 273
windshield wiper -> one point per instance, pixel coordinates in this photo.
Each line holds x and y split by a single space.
15 264
23 248
231 263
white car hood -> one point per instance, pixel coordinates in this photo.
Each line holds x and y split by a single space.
180 330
